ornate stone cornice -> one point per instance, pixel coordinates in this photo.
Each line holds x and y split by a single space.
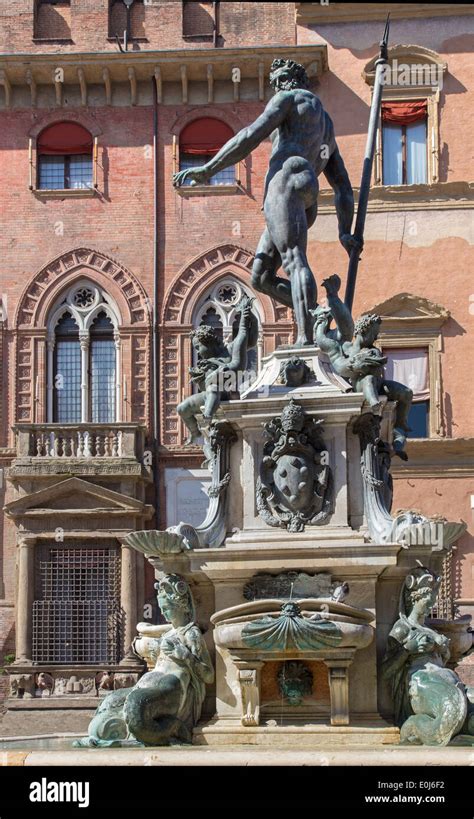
383 198
408 307
184 66
407 54
307 13
436 457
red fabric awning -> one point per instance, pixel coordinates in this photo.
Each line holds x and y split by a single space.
204 136
404 113
63 139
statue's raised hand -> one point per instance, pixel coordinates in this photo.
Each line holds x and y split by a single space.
198 176
322 315
349 241
332 284
420 642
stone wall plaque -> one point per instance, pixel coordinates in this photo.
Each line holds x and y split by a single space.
297 585
186 495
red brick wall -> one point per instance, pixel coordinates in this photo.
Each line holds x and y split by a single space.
119 220
192 225
53 21
198 18
240 24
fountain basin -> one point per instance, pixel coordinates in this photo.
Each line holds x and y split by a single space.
234 625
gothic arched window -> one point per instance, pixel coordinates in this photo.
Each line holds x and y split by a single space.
219 308
83 358
67 371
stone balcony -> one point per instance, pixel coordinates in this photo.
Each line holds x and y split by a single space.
80 449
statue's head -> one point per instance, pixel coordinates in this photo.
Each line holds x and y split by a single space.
421 587
206 341
368 327
175 599
286 74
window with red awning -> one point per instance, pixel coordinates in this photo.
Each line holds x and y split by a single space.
64 139
204 136
404 113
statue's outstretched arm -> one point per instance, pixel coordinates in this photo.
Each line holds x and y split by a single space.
324 341
339 311
243 143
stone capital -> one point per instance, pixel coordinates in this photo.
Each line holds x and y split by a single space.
84 339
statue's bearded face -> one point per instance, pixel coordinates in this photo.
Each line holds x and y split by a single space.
286 74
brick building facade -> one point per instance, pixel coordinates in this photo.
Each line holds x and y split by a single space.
99 232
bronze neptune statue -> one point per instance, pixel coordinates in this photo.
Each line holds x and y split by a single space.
304 146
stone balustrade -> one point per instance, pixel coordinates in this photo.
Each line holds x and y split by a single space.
79 441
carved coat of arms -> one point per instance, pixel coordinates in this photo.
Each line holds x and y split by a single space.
294 488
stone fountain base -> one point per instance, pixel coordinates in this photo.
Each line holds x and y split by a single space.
363 732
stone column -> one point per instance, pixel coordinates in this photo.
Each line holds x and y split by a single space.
25 596
260 350
118 376
50 377
339 690
84 342
128 602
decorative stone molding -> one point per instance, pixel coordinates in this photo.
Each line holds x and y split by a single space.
408 54
387 198
180 303
308 13
128 77
437 457
406 311
184 293
411 321
229 117
84 497
22 686
43 288
339 686
66 682
50 117
248 676
31 321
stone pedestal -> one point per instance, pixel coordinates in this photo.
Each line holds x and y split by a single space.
309 496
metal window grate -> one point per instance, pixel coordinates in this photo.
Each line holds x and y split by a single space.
78 620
